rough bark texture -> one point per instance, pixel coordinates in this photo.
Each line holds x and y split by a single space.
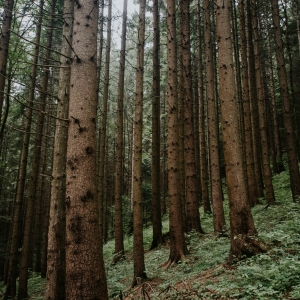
267 174
85 275
242 227
56 234
32 190
252 187
286 109
138 247
119 239
12 265
213 123
4 44
192 201
156 175
202 127
177 243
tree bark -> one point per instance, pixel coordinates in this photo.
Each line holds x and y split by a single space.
85 274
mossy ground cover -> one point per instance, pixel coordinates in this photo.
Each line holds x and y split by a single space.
204 273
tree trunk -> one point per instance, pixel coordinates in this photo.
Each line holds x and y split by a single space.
4 45
138 247
286 110
56 234
192 201
242 230
85 274
213 123
31 200
119 239
156 175
252 186
177 243
13 255
202 127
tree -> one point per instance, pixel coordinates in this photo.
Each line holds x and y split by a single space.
138 247
286 109
85 275
119 242
155 176
56 235
212 123
177 243
242 230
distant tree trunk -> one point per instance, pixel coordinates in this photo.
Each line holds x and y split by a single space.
178 247
119 239
267 174
83 238
213 133
192 201
138 247
4 45
31 200
56 234
13 255
252 187
202 127
242 229
253 105
156 175
102 131
286 110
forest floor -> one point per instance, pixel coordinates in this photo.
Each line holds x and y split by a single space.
204 274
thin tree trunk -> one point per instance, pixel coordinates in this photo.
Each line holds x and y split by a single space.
85 274
56 234
119 238
12 265
155 174
138 247
286 109
213 133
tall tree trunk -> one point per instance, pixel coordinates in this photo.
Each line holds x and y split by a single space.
252 187
23 277
213 123
156 175
119 238
178 247
12 265
192 201
85 274
57 222
242 229
267 174
202 127
102 131
138 247
4 45
286 109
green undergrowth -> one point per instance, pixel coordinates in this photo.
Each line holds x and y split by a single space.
203 274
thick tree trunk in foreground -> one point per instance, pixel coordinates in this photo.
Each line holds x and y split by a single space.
85 274
156 175
138 247
242 229
213 123
286 109
177 243
56 234
192 201
119 238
